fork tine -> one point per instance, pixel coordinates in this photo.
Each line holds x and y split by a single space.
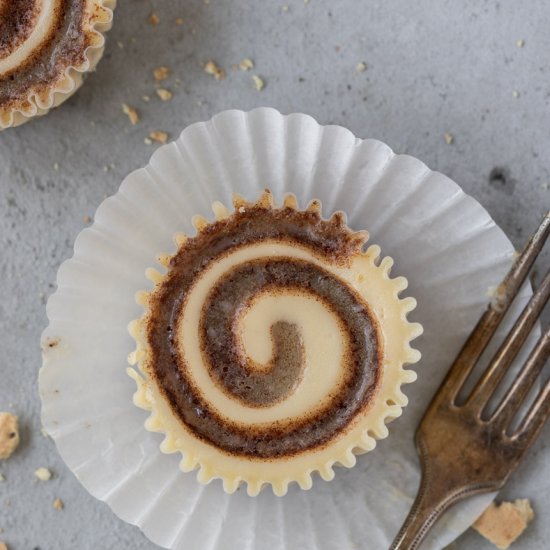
509 349
521 386
490 320
535 419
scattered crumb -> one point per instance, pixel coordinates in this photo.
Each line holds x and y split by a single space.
154 19
165 95
520 43
360 67
147 141
42 430
43 474
56 166
259 84
502 524
9 434
120 45
145 98
161 73
306 1
449 138
157 135
213 69
87 219
545 186
179 21
3 546
337 49
2 478
515 94
58 504
284 8
131 112
246 64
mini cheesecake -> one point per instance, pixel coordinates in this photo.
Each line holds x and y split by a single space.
45 48
273 346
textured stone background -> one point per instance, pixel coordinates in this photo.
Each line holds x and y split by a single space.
432 68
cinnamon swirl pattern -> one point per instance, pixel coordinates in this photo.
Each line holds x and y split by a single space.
45 48
273 346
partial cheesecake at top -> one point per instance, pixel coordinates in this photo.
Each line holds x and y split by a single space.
45 48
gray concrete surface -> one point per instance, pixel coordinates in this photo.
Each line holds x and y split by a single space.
432 67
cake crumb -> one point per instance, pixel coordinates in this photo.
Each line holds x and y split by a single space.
43 474
160 137
515 94
360 67
449 138
211 68
502 524
154 19
131 113
246 64
9 434
179 21
161 73
259 84
58 504
165 95
520 43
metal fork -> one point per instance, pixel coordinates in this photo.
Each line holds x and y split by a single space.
464 449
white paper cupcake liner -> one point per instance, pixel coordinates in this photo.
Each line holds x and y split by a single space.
442 240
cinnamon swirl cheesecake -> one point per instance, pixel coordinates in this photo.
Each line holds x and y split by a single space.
273 346
45 48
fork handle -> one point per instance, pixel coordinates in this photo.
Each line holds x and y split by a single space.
430 504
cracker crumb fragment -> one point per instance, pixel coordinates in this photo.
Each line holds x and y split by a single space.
259 84
43 474
179 21
502 524
246 64
159 136
212 68
165 95
360 67
58 504
131 113
161 73
515 94
520 43
9 434
449 138
154 19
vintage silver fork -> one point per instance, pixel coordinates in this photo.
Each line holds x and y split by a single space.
464 449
